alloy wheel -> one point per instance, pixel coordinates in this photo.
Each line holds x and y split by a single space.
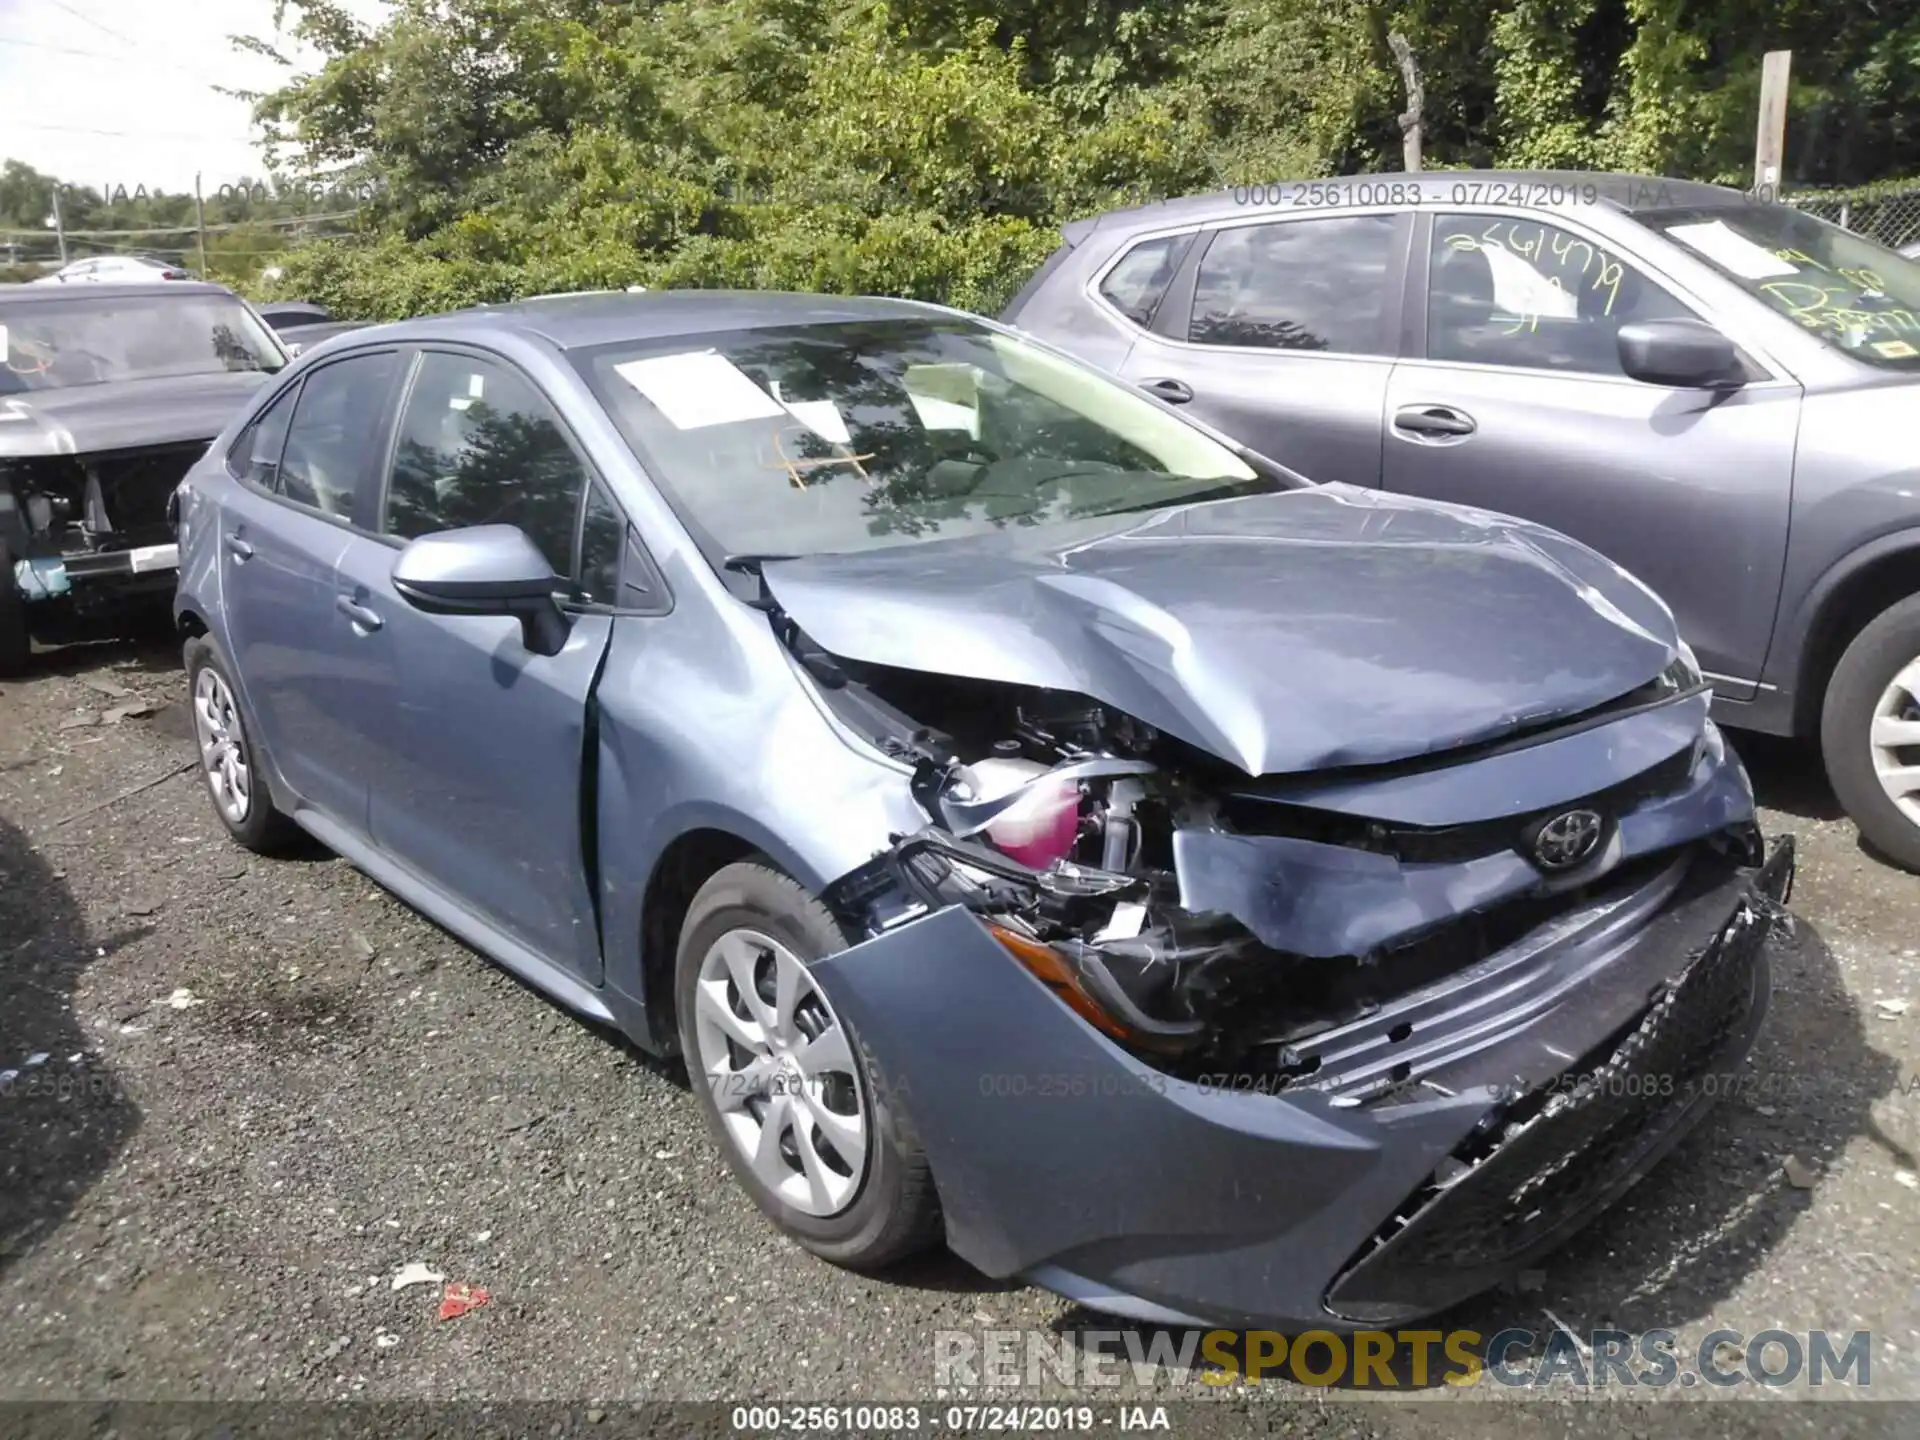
1896 740
781 1071
223 751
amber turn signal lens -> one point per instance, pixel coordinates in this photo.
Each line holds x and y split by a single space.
1049 967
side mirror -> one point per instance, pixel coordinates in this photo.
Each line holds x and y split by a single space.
485 570
1688 354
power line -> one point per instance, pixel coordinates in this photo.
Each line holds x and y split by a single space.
135 134
146 47
190 229
61 49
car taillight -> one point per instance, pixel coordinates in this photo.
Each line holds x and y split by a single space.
173 275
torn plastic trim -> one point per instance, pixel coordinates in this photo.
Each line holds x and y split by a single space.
1543 1164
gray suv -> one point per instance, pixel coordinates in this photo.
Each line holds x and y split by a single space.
1714 391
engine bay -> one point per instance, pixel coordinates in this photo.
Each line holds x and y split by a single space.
1058 821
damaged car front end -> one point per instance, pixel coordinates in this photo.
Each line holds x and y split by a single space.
107 398
1321 1007
1283 904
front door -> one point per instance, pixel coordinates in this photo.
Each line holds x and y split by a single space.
1517 403
482 770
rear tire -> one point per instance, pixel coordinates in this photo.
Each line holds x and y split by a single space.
232 766
863 1210
1870 732
15 642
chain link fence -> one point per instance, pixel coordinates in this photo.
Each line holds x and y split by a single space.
1888 212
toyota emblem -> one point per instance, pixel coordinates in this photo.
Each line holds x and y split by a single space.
1567 840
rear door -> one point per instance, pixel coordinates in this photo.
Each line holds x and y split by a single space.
309 678
1280 332
482 760
1513 399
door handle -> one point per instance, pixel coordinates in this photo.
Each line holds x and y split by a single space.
1433 421
1174 392
360 615
238 548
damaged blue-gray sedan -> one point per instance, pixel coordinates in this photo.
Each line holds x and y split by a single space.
1039 822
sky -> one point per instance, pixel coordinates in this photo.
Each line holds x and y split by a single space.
111 93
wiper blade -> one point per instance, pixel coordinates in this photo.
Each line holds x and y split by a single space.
1168 502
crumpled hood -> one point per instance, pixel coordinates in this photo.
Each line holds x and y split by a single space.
1321 627
78 419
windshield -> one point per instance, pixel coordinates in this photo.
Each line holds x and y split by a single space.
1857 296
99 339
834 437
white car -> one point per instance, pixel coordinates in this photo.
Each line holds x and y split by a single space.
111 269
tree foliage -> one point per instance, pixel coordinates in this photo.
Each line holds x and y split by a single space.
934 147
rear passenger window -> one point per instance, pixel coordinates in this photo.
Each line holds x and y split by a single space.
339 408
1137 284
480 446
255 456
1302 285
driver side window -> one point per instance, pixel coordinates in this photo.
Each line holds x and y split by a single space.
479 446
1515 292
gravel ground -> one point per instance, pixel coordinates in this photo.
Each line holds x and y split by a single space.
269 1086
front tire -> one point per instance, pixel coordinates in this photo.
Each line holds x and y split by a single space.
784 1084
1870 732
230 761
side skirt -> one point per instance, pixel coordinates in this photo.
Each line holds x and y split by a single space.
452 916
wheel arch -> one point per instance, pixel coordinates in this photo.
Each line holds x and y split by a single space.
688 861
1840 605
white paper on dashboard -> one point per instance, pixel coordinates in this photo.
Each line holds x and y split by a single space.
1733 250
698 389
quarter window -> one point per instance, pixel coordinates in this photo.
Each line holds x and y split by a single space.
479 446
326 448
603 535
255 456
1302 285
1136 285
1516 292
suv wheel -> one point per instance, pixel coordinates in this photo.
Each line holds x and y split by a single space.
785 1085
1870 732
229 758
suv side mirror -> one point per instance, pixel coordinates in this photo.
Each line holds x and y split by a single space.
1688 354
485 570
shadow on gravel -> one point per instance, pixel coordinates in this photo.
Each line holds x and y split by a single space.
1676 1248
1787 775
62 1120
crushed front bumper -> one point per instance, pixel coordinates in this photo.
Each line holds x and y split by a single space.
1061 1157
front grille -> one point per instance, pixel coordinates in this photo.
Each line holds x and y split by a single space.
1544 1173
1452 844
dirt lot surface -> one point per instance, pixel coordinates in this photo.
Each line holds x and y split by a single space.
267 1087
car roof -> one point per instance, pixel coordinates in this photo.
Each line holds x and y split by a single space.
57 294
1544 190
579 321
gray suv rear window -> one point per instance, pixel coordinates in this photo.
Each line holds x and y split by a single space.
1137 284
1298 285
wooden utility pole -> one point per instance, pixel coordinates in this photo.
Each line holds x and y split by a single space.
200 221
1769 148
1412 122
